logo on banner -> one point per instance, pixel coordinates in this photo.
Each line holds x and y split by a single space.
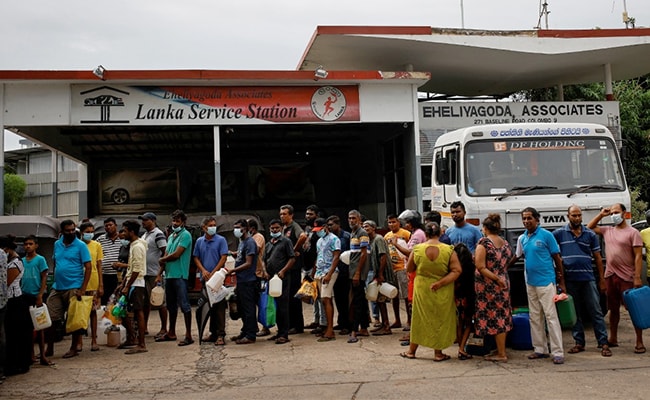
104 101
328 103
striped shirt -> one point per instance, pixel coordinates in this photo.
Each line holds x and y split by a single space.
576 252
111 250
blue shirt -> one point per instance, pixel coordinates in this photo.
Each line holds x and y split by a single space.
31 282
538 249
467 234
69 263
576 252
247 247
325 248
210 251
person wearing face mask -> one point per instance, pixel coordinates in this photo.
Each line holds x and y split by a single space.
247 287
325 271
210 254
624 265
176 265
71 276
578 245
95 284
279 258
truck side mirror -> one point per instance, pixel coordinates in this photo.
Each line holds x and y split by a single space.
442 171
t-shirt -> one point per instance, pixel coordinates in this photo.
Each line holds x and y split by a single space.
277 254
619 248
111 249
261 244
179 268
577 252
467 234
156 241
397 258
418 236
359 241
96 254
14 288
247 247
537 249
137 262
325 248
31 282
69 263
210 251
4 291
645 236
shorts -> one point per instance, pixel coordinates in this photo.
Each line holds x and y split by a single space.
402 283
149 284
138 298
327 291
58 302
615 288
176 295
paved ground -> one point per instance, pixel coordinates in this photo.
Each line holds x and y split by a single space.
306 369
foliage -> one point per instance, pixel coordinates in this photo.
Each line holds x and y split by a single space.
14 191
639 206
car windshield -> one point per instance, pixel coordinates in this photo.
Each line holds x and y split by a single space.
547 165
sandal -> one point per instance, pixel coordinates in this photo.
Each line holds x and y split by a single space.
444 357
578 348
221 341
126 345
326 338
639 349
186 342
165 338
464 356
405 354
606 352
536 356
496 358
558 360
136 350
281 340
246 340
353 339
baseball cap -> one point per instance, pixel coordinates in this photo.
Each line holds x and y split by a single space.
319 224
148 215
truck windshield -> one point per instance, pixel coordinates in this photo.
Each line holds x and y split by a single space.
550 165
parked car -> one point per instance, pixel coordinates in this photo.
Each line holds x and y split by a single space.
134 186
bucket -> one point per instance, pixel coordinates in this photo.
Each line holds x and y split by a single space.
275 286
113 338
388 290
372 291
40 317
566 311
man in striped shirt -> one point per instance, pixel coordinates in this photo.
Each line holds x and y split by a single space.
111 245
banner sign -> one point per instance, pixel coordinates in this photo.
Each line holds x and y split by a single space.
212 105
459 114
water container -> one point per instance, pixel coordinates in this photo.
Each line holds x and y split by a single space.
388 290
40 317
372 291
519 337
566 311
275 286
216 280
157 296
345 257
102 325
636 301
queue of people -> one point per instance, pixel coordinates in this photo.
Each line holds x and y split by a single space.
454 283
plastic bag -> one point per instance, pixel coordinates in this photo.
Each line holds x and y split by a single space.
78 313
308 292
266 309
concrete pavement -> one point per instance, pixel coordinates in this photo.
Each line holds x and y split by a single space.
306 369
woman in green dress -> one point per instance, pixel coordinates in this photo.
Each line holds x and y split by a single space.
436 268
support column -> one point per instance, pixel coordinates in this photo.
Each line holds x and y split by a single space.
2 151
417 154
82 179
609 90
560 92
216 142
55 183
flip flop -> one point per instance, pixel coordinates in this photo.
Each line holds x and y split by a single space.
220 341
353 339
70 354
186 342
165 338
136 350
94 348
639 349
536 356
382 333
444 357
578 348
326 338
407 355
464 356
606 352
46 363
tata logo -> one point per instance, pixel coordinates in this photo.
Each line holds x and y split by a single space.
104 98
553 219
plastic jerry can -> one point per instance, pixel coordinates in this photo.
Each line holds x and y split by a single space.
372 291
388 290
216 280
40 317
275 286
566 311
637 301
519 337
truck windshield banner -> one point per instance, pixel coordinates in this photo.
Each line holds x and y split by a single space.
208 105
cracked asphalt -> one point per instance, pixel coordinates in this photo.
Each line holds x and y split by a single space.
306 369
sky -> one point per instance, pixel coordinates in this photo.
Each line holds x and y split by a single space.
250 34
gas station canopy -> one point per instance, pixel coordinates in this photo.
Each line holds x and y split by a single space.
477 62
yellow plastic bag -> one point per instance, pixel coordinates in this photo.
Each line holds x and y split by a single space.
308 292
78 313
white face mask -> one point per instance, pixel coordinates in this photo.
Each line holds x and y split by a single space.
237 232
275 235
617 219
212 230
124 242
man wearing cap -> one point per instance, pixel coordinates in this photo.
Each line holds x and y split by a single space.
328 250
156 245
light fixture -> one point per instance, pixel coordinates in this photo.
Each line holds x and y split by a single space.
99 72
320 73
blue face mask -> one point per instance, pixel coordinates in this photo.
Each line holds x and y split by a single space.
212 230
124 242
88 237
177 229
276 235
321 233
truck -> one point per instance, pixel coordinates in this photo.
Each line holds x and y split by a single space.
506 168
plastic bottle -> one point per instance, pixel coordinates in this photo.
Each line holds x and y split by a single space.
216 280
120 308
112 299
275 286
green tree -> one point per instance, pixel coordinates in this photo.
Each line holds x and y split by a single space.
14 189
